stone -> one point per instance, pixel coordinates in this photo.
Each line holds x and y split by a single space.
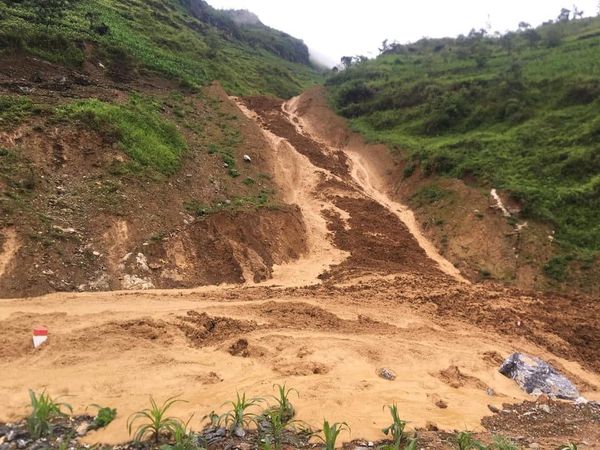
534 445
247 158
386 374
11 435
493 409
489 391
22 443
441 404
431 426
545 408
82 429
535 376
131 282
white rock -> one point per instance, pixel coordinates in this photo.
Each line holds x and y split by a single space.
142 262
247 158
131 282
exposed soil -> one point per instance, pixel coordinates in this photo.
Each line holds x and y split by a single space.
353 288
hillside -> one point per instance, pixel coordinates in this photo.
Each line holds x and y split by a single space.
517 113
123 160
186 41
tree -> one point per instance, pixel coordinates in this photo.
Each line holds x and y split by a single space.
346 61
523 26
564 15
384 46
532 37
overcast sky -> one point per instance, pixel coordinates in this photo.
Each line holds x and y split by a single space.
334 28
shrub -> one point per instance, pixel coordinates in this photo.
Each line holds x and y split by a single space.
104 417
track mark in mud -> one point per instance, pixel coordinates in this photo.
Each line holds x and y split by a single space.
455 378
202 329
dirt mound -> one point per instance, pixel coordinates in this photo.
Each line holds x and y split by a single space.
548 419
202 329
453 377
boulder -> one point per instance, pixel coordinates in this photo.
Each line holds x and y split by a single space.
537 377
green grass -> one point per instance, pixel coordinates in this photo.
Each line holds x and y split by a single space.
164 37
524 121
43 411
14 109
146 137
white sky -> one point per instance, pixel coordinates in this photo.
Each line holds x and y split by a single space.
334 28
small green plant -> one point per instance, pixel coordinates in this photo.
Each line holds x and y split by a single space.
276 427
104 417
466 441
569 446
284 405
182 437
239 418
503 443
331 433
155 421
396 429
43 411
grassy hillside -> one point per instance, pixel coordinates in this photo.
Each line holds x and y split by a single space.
169 37
517 112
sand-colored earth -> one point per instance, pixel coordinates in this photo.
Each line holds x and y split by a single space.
369 293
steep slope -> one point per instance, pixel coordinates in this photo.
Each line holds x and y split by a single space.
122 165
516 113
188 41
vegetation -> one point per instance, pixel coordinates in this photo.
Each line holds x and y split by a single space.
163 36
144 135
154 421
104 417
396 429
43 411
466 441
332 432
516 112
14 109
239 417
284 407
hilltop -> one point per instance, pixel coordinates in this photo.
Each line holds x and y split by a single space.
514 112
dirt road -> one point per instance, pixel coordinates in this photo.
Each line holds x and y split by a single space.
370 293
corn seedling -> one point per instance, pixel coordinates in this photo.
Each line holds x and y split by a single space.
569 446
276 427
331 433
238 418
466 441
182 437
284 406
104 417
396 429
43 411
155 421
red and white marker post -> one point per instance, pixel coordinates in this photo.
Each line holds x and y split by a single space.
40 335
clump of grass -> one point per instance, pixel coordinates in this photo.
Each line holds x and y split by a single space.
183 439
503 443
146 137
331 433
43 411
154 421
466 441
104 417
13 109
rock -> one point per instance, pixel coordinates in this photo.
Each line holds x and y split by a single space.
534 445
82 429
22 443
489 391
544 408
133 282
386 374
11 435
441 404
5 446
431 426
155 266
536 376
239 432
142 262
493 409
247 158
